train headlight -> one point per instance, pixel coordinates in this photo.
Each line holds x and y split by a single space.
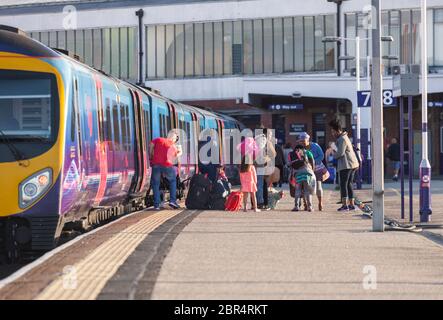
30 190
33 187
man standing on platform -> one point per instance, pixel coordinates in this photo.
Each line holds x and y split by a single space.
164 154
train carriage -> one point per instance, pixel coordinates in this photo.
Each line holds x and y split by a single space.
74 143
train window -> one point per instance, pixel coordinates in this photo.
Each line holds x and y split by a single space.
128 128
164 125
108 120
188 137
116 124
168 124
27 106
147 125
161 125
124 120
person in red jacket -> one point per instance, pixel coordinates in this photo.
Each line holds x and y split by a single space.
163 155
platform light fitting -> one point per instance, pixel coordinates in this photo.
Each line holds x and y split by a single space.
391 57
346 58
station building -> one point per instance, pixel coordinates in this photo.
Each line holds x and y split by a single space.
261 61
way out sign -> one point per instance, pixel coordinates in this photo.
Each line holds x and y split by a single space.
364 99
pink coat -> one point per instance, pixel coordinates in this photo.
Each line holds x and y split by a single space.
249 180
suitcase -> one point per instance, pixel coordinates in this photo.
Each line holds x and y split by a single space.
219 193
199 192
234 201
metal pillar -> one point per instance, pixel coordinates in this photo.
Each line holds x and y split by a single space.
377 121
411 160
425 166
402 157
358 124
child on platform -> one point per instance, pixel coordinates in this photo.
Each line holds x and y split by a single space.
248 179
303 166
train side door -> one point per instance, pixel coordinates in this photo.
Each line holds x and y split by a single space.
90 174
139 144
73 157
101 145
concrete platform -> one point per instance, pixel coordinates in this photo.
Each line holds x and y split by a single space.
221 255
282 255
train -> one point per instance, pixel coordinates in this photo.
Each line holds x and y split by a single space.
74 143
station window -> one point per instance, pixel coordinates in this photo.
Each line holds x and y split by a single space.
112 50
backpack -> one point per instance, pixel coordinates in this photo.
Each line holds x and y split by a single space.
234 201
219 192
198 194
297 161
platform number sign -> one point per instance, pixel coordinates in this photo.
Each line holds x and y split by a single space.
364 99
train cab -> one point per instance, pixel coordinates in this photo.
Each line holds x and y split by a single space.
32 108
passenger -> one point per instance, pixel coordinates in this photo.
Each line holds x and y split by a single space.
303 166
248 179
347 165
259 164
164 154
263 161
320 169
287 150
394 156
329 155
286 170
279 163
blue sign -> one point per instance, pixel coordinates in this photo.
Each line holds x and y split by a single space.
364 99
435 104
285 107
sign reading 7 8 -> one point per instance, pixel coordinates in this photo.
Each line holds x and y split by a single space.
364 99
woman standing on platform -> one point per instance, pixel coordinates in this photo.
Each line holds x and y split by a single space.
347 165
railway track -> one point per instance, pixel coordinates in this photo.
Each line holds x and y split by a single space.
6 268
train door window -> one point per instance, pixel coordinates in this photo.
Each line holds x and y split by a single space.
124 126
162 125
73 115
128 131
168 124
108 120
77 115
188 137
116 124
147 122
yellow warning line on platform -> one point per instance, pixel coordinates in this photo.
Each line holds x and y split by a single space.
86 279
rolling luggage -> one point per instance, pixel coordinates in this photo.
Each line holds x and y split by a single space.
198 194
220 191
234 201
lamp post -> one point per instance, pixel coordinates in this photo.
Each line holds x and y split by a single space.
425 166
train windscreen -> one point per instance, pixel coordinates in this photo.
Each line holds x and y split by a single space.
27 106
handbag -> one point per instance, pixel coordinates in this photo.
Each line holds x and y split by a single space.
321 173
